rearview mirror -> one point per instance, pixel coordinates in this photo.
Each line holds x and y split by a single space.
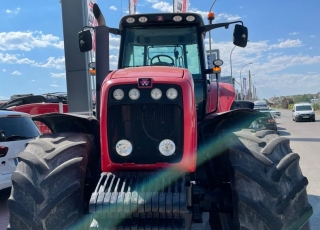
240 35
85 40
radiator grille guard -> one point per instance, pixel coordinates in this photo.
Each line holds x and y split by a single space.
145 126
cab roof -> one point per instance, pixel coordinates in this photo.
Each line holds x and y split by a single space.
164 19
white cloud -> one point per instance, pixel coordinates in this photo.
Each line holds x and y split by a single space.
113 8
288 44
16 73
312 36
163 6
14 59
113 62
16 11
29 40
114 42
52 62
4 70
32 80
152 1
58 75
293 33
54 85
228 17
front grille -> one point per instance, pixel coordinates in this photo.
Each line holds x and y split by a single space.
145 126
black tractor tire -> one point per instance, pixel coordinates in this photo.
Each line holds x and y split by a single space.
268 190
48 184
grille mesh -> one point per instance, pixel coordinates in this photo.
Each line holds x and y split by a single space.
145 126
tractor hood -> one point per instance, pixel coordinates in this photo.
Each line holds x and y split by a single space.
148 71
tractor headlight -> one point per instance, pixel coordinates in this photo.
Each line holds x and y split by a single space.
190 18
118 94
172 93
167 147
156 94
134 94
124 148
177 18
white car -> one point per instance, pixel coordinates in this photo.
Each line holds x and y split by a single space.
274 112
303 111
16 130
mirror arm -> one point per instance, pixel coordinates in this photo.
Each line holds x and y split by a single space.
114 31
218 25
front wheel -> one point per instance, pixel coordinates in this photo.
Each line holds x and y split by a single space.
268 190
48 184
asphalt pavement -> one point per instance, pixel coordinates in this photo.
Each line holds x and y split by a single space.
4 213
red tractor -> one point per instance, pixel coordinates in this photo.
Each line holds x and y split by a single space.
165 146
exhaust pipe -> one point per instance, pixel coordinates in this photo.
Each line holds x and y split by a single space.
98 15
102 54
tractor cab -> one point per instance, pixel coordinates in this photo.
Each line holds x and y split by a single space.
173 40
163 40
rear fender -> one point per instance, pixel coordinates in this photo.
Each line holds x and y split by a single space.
233 120
216 127
63 122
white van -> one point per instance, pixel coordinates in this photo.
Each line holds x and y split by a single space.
303 111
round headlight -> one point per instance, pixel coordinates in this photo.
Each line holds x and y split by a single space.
143 19
190 18
124 148
156 94
118 94
130 20
177 18
134 94
167 147
218 62
172 93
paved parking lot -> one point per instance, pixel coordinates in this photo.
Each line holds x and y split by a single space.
4 213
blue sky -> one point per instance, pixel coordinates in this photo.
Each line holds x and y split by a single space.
284 43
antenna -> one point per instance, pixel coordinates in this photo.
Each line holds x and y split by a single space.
210 18
212 5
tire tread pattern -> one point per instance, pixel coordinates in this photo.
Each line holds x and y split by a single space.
274 195
49 177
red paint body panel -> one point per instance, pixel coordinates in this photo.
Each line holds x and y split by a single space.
227 96
162 75
147 72
40 108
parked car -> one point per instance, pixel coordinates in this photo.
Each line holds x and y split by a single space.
16 130
303 111
260 105
275 112
265 122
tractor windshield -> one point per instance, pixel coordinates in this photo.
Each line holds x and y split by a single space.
166 46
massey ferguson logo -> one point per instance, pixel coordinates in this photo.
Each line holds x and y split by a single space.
145 82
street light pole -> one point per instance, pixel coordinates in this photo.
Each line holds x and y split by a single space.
237 96
241 93
231 61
